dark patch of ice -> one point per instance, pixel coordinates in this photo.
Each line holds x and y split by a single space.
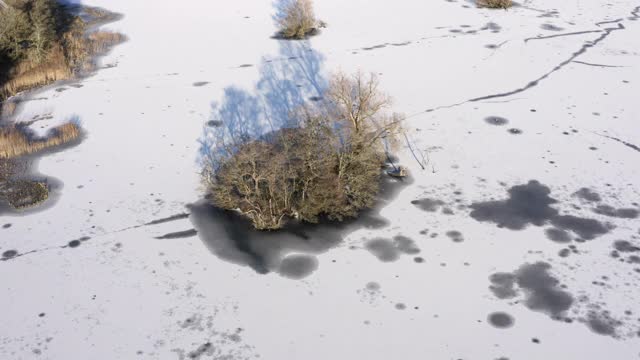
496 120
623 213
530 205
179 235
503 285
500 320
428 204
527 204
558 235
455 236
383 249
588 195
406 245
298 266
542 291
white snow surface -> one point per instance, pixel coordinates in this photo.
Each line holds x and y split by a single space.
123 294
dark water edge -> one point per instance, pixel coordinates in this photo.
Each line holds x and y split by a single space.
291 251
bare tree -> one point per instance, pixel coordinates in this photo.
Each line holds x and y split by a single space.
358 101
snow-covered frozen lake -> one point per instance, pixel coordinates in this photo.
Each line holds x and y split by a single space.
519 240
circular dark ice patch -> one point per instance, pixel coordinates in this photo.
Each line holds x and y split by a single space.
74 243
383 249
373 286
496 120
515 131
455 236
500 320
6 226
298 266
9 254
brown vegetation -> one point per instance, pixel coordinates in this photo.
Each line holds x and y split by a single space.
16 140
328 165
298 20
17 192
495 4
8 108
42 41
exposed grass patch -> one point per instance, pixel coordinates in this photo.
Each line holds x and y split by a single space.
495 4
17 140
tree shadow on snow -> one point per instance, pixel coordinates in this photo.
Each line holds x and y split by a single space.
285 83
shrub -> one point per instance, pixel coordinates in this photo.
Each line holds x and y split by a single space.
328 164
297 20
495 4
16 191
22 194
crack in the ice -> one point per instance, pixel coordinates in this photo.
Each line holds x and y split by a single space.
597 65
77 242
609 22
563 34
564 63
605 33
628 144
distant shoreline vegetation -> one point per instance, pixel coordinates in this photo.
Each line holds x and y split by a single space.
41 42
44 41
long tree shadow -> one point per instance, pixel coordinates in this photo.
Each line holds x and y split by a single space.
286 82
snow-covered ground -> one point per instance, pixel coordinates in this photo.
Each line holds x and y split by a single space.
515 111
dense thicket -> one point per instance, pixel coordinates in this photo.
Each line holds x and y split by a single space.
42 41
328 163
29 28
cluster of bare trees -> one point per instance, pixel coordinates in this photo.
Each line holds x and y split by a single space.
327 163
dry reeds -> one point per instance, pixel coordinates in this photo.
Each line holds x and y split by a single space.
495 4
17 141
30 74
8 108
100 42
